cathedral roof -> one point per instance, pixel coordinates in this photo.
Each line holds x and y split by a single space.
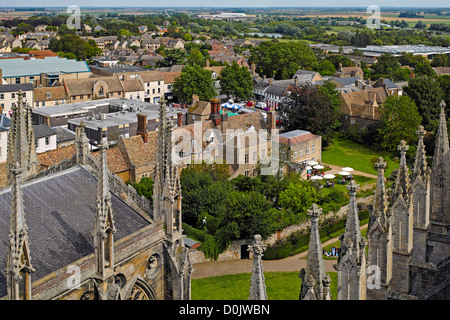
60 213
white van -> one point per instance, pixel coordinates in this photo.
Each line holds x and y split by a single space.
261 105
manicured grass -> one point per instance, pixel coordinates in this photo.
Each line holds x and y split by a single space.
347 153
279 286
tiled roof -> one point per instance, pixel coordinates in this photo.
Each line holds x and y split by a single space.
49 158
201 108
138 152
76 87
56 93
114 160
169 77
132 85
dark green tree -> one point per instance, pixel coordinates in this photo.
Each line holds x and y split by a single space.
193 80
399 120
427 95
236 81
312 109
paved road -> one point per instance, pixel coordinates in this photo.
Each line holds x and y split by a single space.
293 263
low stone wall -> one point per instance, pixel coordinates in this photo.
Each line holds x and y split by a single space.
233 252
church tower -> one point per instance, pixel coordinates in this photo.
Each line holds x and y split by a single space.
315 281
379 235
351 265
258 285
18 267
21 145
402 213
167 208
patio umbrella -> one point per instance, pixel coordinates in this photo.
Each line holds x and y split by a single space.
318 167
347 169
329 176
308 168
344 173
316 178
312 163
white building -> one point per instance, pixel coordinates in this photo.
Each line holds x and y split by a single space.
8 96
45 138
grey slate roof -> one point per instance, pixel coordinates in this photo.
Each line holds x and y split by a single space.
16 87
60 215
42 130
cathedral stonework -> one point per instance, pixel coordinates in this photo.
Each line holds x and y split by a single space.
85 236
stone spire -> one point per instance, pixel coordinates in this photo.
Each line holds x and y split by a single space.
82 144
18 267
167 186
402 228
402 184
380 207
258 286
420 185
420 163
315 281
379 235
21 145
104 222
439 213
351 265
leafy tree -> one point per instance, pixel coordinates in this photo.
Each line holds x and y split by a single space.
427 95
236 81
389 67
174 56
144 188
71 43
424 69
194 80
312 109
399 120
21 29
326 68
440 60
298 197
444 83
195 57
282 60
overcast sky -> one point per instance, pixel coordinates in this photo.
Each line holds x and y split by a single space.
228 3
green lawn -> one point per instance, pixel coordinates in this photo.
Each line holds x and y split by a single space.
347 153
279 286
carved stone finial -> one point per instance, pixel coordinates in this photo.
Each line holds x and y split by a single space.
352 187
315 211
380 164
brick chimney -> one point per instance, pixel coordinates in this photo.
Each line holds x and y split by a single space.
253 69
142 127
207 63
215 111
179 118
271 121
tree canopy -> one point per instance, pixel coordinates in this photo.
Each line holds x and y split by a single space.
236 81
193 80
282 60
313 109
